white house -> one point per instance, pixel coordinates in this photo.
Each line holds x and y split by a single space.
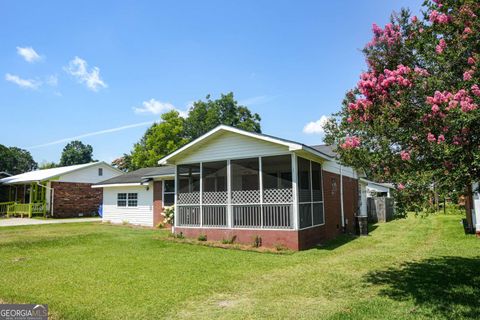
138 197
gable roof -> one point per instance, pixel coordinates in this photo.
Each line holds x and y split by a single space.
326 149
138 176
45 174
292 145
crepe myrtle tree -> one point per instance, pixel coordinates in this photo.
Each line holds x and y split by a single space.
415 111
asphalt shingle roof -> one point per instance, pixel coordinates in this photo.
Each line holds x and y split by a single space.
138 175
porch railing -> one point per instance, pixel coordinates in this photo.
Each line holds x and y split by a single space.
4 206
26 209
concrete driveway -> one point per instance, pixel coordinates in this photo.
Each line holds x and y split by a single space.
11 222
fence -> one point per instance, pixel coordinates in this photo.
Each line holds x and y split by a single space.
380 209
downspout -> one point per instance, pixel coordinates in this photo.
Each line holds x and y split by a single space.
51 196
341 199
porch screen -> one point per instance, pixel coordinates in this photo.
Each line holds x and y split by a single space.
310 193
214 193
245 196
188 197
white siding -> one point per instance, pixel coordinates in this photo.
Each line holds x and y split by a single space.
334 167
476 208
141 215
230 146
90 174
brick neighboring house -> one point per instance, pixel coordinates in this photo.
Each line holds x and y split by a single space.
61 192
231 183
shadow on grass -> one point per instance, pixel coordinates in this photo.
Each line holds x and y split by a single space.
448 286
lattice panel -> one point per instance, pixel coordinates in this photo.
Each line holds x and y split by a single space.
246 196
278 195
215 197
188 198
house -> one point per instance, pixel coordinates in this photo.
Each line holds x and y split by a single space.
474 207
58 192
234 184
138 197
376 200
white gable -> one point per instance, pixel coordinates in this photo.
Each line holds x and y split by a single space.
90 174
229 145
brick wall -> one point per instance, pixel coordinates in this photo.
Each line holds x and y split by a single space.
75 199
350 202
158 203
270 238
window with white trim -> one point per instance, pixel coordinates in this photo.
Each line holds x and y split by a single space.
127 199
168 193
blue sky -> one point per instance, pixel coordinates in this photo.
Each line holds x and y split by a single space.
101 69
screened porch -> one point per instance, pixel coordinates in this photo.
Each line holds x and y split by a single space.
272 192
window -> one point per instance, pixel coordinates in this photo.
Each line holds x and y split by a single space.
245 174
132 199
168 193
127 199
277 172
189 178
100 171
121 199
214 176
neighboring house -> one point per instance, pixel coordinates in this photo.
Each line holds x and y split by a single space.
376 200
473 206
138 197
59 192
232 183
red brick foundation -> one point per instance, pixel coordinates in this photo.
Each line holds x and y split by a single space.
75 199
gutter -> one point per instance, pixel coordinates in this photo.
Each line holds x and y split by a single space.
341 199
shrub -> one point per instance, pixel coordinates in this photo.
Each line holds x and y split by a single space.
179 235
202 237
230 240
257 241
168 213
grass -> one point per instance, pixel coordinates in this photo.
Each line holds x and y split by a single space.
419 267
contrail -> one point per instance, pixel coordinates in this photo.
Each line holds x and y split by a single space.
90 134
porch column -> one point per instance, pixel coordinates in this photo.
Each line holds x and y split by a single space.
295 192
229 196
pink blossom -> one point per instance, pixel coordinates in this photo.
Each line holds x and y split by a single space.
414 19
389 35
349 119
351 142
441 138
476 90
420 30
441 46
467 31
401 186
471 60
431 137
467 75
435 108
405 155
421 71
436 17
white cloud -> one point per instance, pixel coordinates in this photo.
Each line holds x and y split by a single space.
52 80
24 83
90 134
153 106
29 54
316 127
79 69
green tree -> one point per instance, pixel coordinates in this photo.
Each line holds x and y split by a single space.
159 140
415 112
14 160
174 131
76 152
47 165
206 115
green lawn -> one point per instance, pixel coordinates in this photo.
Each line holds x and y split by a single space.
406 269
